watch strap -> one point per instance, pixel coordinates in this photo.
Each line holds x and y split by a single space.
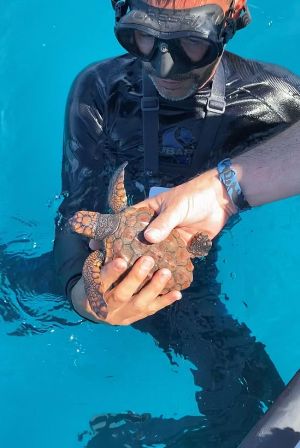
228 177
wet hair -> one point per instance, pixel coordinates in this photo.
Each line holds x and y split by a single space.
178 4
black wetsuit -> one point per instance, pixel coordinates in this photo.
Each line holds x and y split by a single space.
103 128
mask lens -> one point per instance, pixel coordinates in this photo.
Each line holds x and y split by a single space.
195 49
187 52
144 42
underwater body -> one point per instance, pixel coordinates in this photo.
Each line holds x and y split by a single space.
242 337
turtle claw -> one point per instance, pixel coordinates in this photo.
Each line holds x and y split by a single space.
93 283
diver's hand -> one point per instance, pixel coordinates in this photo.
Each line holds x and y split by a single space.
124 304
199 205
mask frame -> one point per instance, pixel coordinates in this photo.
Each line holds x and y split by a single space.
208 23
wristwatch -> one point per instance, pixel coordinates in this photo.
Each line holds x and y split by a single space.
228 177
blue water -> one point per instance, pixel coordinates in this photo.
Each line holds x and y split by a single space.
57 373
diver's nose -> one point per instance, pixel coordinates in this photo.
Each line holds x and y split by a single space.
163 61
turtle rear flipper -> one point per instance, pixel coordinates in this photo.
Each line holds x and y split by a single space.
94 225
199 245
93 284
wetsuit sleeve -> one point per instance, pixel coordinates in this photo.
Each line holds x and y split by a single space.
275 87
263 100
286 92
84 181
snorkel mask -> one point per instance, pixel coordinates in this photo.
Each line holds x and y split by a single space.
177 41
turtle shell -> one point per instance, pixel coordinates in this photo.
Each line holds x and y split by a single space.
129 243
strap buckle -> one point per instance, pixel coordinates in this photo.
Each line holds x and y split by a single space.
216 105
150 104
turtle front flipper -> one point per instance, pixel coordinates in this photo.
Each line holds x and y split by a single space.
94 225
199 245
117 198
93 283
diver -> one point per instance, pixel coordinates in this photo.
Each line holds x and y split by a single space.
203 104
175 106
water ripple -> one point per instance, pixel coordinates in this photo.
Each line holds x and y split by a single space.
30 299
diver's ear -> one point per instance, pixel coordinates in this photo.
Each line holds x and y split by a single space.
238 6
241 14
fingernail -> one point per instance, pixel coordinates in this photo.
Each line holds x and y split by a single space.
153 233
148 263
121 265
178 296
94 245
165 273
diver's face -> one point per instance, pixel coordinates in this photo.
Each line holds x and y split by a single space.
178 87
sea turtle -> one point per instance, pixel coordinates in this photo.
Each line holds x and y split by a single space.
122 235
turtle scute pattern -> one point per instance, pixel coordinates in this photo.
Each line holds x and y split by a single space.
128 242
84 222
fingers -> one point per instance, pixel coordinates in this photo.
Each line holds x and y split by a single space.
158 304
147 299
127 302
133 280
164 301
161 227
111 272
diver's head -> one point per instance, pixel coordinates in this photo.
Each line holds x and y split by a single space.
179 41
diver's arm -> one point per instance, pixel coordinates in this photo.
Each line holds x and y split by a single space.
83 174
266 173
271 170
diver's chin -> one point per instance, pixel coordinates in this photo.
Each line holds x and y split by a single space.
174 94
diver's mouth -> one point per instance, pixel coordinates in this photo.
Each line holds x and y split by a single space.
169 84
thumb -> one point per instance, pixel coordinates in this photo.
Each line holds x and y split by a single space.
160 228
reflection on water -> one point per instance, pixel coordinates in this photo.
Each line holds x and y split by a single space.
27 304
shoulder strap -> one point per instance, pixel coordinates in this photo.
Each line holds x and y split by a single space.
215 109
150 106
